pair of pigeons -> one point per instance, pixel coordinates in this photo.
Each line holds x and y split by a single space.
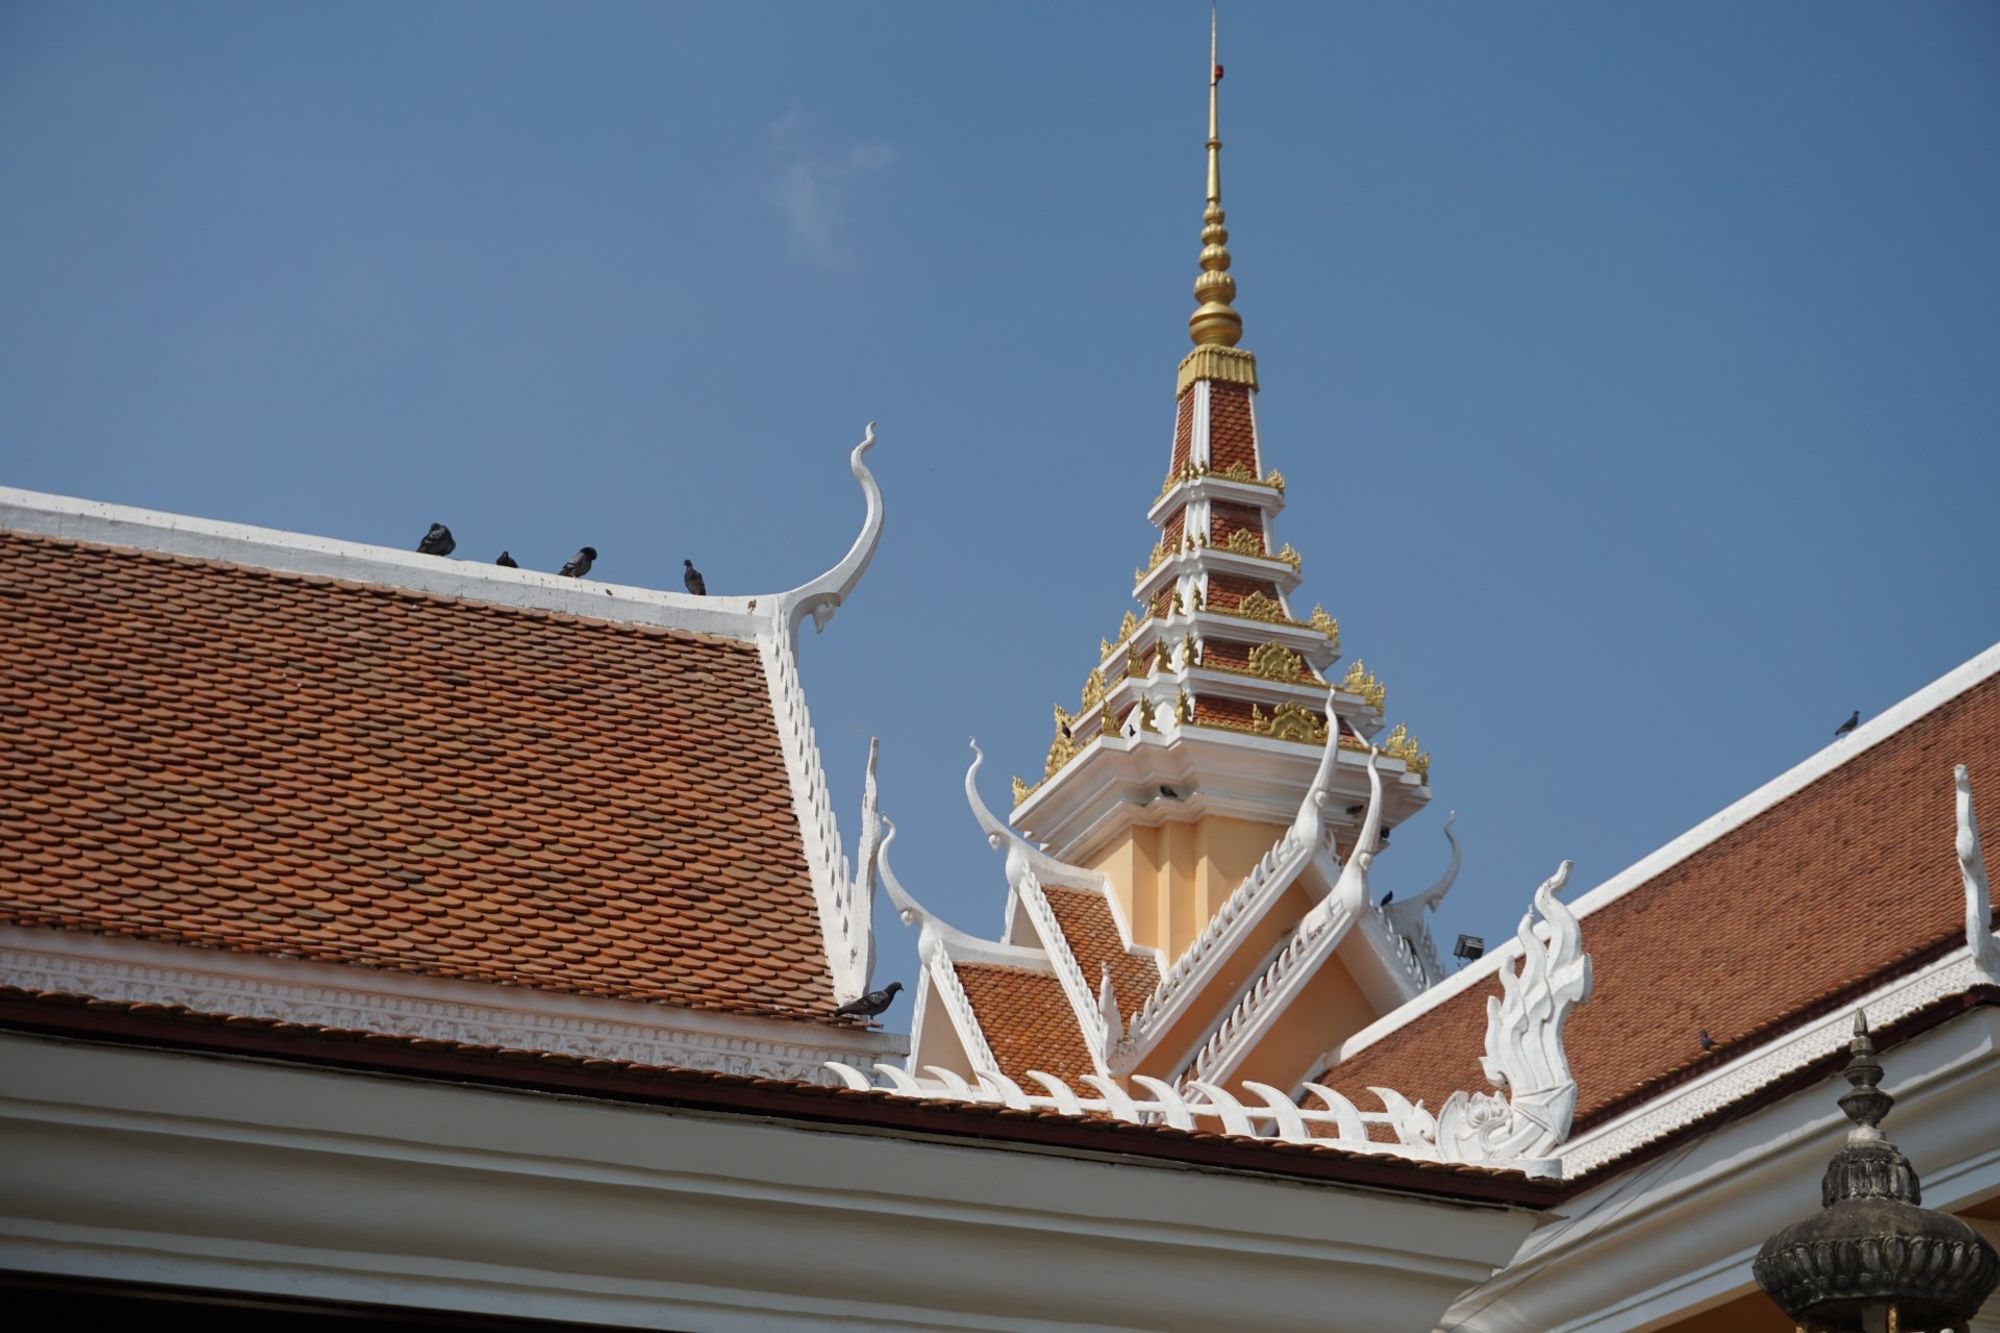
439 541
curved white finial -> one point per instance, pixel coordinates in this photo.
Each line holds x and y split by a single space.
1306 825
861 888
1021 854
1107 1010
823 596
1350 892
1406 913
933 930
1978 891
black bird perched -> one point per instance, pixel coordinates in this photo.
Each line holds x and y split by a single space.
506 561
871 1004
693 579
579 564
1356 811
438 541
1170 793
1707 1042
1853 721
1388 897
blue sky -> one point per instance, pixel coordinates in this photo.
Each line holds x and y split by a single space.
1633 367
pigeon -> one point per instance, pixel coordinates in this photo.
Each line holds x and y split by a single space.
693 579
871 1004
506 561
438 541
579 564
1853 721
1707 1042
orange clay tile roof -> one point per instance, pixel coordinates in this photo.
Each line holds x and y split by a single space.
1850 879
1027 1020
1092 933
217 755
1232 440
1183 430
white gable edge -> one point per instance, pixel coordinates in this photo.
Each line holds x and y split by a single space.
107 524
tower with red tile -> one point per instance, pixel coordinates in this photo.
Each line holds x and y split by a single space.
1211 701
1188 895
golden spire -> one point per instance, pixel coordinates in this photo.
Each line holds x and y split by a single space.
1215 322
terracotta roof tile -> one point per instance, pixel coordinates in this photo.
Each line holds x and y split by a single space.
1847 880
1027 1020
1093 937
220 755
1232 438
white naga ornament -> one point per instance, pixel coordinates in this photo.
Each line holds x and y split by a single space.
1524 1047
1520 1126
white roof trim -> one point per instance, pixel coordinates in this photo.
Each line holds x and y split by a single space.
357 562
1878 729
743 618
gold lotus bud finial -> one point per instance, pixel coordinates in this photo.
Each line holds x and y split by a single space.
1215 322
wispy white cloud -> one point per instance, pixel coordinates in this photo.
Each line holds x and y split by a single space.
812 184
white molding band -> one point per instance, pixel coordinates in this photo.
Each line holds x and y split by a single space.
398 1005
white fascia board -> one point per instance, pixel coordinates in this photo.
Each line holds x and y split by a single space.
1212 487
1215 560
1645 1249
400 1004
356 562
1878 729
1224 772
131 1164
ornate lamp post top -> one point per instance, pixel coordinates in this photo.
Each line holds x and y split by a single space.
1873 1260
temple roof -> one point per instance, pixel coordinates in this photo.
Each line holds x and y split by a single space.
205 751
1824 884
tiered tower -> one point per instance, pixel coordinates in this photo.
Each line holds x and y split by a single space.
1204 718
1198 909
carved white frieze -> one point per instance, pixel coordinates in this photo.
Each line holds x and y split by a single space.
709 1046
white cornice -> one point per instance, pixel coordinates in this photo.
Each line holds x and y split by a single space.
1210 486
1878 729
1215 560
1107 788
356 999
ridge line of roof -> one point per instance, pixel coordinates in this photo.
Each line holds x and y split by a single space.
1884 725
101 523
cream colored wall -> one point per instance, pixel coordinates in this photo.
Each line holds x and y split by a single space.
936 1041
1171 879
1179 1041
1330 1008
